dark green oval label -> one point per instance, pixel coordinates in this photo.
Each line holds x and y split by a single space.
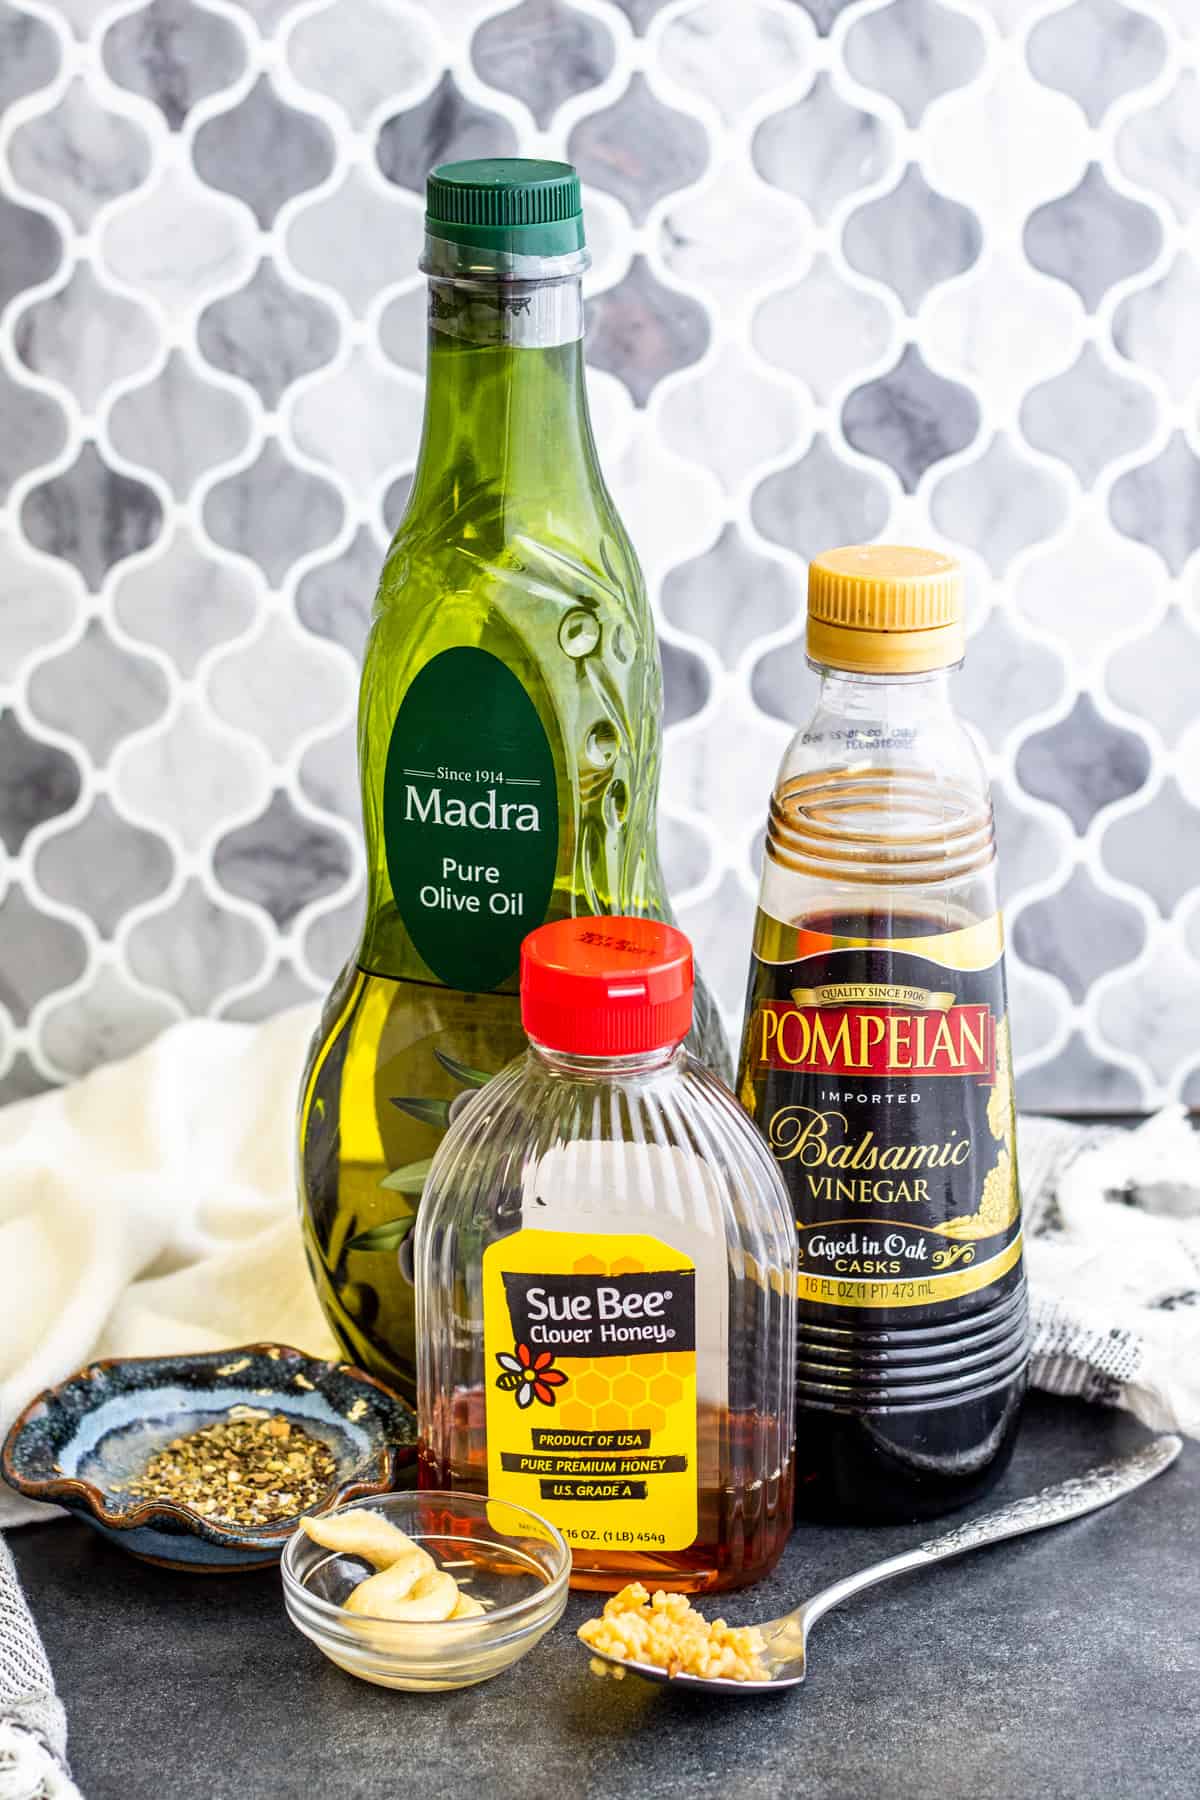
470 817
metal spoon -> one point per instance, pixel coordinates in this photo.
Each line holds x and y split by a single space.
786 1639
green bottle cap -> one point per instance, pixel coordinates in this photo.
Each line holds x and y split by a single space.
513 203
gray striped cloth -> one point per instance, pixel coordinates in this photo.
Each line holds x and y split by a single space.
33 1727
1112 1221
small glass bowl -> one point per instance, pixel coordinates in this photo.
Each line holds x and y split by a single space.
515 1563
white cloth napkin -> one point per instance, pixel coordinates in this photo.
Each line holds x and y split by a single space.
152 1208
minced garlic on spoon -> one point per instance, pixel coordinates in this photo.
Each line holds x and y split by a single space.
670 1634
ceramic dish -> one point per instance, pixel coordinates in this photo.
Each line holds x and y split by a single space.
512 1561
76 1444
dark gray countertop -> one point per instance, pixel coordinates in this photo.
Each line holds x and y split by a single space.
1064 1666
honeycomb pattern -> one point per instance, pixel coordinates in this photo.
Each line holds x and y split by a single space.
613 1393
923 269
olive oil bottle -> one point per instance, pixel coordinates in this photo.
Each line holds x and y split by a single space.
509 737
875 1058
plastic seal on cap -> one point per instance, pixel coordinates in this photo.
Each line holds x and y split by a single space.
606 986
885 608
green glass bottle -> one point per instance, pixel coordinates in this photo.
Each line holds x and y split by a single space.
509 737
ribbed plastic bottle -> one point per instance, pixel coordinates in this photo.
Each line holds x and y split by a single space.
875 1057
606 1280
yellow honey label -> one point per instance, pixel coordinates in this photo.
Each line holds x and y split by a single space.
590 1352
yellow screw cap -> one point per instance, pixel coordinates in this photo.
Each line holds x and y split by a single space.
885 609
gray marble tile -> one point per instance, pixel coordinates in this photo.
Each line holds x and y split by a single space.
394 504
329 775
1078 1080
38 603
543 52
1096 51
1092 237
1159 502
1154 325
1160 147
732 594
282 861
822 148
174 53
856 328
23 1080
641 330
264 150
1158 676
184 601
1151 1013
818 501
686 683
332 937
404 330
640 13
639 149
104 866
268 333
91 515
722 924
177 241
35 430
786 688
914 50
910 418
1135 847
179 425
53 954
1007 677
824 13
109 1020
1089 415
1030 843
280 687
999 504
1079 932
283 989
734 55
273 512
335 598
79 154
1082 763
444 127
912 238
361 53
196 950
38 781
358 239
190 777
32 248
29 55
85 336
266 14
98 692
684 853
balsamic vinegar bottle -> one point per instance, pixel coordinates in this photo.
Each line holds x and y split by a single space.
875 1058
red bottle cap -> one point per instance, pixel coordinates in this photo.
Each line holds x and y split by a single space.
606 987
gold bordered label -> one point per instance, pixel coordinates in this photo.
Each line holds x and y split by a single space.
879 1071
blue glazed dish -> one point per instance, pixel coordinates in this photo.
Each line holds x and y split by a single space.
77 1444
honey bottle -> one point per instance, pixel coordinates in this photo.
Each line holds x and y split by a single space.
606 1278
875 1057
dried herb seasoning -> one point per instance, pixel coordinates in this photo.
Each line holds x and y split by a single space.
247 1469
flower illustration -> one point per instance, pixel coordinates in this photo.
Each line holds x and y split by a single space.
529 1377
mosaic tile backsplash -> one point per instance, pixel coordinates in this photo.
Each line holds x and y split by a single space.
863 268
